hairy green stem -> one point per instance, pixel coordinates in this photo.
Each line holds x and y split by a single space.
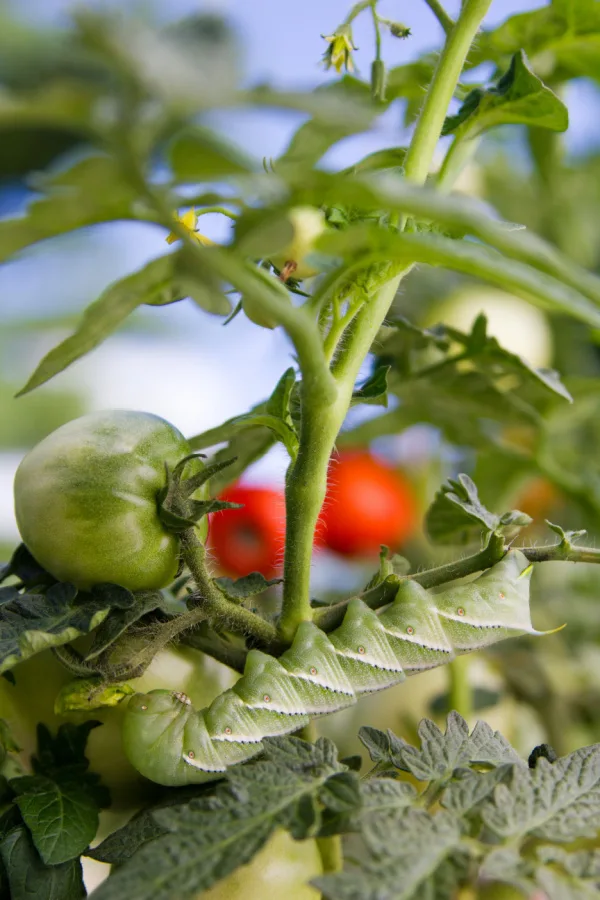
322 417
306 484
440 93
217 609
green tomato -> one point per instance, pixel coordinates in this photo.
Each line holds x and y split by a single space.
517 325
282 868
308 224
86 500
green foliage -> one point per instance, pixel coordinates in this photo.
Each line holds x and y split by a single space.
132 98
48 819
476 795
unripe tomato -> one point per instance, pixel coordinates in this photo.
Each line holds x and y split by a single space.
517 325
281 869
308 224
367 504
86 500
250 539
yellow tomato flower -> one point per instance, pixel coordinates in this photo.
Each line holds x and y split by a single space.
339 52
189 220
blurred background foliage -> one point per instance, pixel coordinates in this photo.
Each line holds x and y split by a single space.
547 464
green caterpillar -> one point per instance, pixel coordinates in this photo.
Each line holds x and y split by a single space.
171 743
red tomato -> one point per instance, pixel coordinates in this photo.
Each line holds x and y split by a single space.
250 539
367 504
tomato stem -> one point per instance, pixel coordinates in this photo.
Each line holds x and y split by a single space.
331 852
460 693
322 412
218 609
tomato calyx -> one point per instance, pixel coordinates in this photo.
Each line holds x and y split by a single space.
177 508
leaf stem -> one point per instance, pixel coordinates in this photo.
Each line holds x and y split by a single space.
441 15
445 78
331 852
460 693
218 610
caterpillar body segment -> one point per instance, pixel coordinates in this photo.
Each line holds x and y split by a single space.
171 743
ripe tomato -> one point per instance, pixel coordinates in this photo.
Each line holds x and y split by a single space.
250 539
367 504
85 500
282 868
308 223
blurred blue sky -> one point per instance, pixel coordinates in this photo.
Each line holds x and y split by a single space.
185 366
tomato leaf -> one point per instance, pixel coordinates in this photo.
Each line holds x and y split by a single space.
556 801
248 586
93 190
210 836
33 622
198 154
61 814
28 876
104 316
374 390
564 36
518 97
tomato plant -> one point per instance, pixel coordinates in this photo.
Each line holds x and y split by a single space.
86 500
367 504
250 539
116 601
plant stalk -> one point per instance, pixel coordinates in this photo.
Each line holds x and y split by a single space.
323 418
218 610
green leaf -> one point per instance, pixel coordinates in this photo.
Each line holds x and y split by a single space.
390 158
441 753
378 244
468 789
559 885
518 97
35 622
194 278
119 620
198 154
396 868
212 835
558 801
457 515
86 694
374 390
187 66
104 316
248 586
247 438
61 814
119 846
280 400
314 138
91 191
28 877
562 39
